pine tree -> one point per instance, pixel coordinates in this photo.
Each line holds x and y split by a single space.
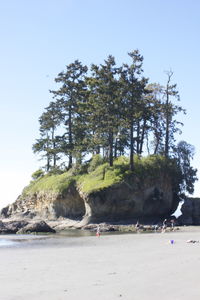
48 141
156 124
104 106
183 154
133 87
170 110
70 96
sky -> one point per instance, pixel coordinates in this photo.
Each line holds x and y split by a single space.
40 37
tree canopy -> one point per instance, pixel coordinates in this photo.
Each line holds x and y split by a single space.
112 110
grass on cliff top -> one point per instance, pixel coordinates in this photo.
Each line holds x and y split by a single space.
101 175
58 183
105 176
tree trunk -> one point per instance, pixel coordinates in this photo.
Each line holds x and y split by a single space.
70 138
147 143
167 125
157 142
48 156
138 137
131 148
54 147
111 149
115 149
142 136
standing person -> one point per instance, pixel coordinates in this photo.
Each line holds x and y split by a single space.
164 225
137 226
172 224
156 227
98 231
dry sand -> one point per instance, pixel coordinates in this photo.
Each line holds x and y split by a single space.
128 266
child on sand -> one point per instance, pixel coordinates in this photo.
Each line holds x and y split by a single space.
98 231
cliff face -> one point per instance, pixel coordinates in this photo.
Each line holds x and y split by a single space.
123 201
49 205
151 200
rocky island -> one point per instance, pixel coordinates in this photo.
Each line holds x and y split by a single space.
100 194
107 141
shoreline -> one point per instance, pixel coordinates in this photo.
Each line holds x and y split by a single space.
18 224
74 233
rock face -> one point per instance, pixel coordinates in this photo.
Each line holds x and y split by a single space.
121 202
190 212
151 200
48 205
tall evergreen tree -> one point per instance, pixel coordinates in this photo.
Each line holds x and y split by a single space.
156 130
132 91
48 141
170 110
104 104
184 153
70 96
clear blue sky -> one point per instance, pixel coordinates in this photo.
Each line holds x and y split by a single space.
40 37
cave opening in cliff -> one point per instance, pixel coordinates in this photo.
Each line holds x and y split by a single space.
71 206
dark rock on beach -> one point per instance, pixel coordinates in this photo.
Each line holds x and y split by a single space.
23 226
15 226
4 229
39 226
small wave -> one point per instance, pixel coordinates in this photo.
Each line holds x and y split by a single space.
6 243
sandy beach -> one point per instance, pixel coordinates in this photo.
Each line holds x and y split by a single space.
126 266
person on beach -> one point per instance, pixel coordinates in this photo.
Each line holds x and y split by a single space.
156 227
137 226
172 224
98 231
164 226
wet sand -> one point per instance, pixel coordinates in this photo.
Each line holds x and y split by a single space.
127 266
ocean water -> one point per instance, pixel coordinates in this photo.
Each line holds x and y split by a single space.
32 240
7 243
16 241
69 237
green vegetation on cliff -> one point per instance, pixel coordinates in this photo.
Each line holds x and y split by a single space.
146 168
99 175
55 183
104 176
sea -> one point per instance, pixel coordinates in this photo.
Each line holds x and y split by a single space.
67 237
